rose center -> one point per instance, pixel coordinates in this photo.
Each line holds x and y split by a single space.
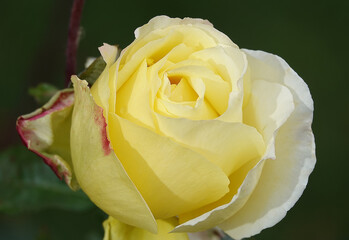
181 90
174 79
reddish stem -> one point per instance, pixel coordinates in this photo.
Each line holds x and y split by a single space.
72 43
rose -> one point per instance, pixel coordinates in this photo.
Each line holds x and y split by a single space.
185 125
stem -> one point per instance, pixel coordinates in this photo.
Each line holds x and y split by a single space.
72 42
219 233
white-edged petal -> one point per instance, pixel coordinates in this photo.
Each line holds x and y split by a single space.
284 179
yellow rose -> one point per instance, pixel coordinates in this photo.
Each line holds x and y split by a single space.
182 132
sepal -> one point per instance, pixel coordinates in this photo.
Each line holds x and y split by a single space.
46 132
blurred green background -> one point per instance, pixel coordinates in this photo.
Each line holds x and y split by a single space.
312 36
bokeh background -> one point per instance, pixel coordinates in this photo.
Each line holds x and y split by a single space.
312 36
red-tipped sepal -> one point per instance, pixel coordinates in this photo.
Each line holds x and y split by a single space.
46 132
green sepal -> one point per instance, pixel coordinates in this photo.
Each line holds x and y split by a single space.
92 72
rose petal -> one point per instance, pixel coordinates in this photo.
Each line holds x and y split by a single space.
115 230
172 179
160 22
133 99
284 179
227 145
201 109
269 107
109 53
183 92
227 206
272 68
98 170
46 132
231 65
156 46
216 89
101 88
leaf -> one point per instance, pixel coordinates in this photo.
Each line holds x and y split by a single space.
42 92
53 224
91 73
27 184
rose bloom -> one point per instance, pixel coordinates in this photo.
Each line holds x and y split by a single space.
182 132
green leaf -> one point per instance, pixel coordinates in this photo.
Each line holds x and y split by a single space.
53 224
91 73
42 92
27 184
